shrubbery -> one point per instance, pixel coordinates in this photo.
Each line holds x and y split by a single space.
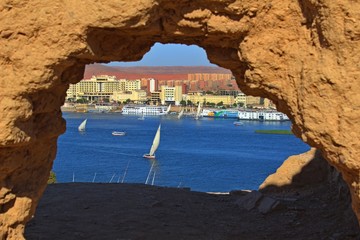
52 178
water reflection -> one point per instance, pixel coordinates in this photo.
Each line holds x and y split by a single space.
154 167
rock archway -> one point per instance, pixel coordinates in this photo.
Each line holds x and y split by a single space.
301 54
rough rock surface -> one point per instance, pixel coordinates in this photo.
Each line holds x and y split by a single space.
301 54
298 171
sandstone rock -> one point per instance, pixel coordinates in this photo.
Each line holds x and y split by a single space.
303 55
298 171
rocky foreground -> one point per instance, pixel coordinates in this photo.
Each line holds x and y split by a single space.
137 211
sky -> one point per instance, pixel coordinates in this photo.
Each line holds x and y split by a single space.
170 55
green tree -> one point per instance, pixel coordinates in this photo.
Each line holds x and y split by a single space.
189 103
81 100
219 104
52 178
183 103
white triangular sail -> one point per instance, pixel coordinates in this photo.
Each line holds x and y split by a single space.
82 126
198 112
168 109
181 113
156 142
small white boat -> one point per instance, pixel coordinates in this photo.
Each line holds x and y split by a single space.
238 123
82 126
154 145
116 133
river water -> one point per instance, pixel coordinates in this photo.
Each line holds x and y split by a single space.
205 155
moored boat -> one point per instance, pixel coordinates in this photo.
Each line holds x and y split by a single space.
220 113
117 133
262 115
237 123
133 109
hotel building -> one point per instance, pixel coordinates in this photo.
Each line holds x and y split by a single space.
100 88
208 98
137 96
171 95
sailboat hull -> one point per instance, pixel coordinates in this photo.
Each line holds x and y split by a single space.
149 156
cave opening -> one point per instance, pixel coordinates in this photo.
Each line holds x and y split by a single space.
186 78
300 54
207 155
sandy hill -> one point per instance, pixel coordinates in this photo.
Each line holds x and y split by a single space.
160 73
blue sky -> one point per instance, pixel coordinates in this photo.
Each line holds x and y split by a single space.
170 55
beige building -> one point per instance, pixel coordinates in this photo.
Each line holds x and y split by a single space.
208 76
101 87
137 96
130 85
208 98
171 95
247 100
155 97
96 88
254 101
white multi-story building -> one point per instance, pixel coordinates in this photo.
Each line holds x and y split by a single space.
171 95
152 85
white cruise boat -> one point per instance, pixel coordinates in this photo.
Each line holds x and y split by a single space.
262 115
144 110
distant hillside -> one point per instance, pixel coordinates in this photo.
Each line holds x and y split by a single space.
160 73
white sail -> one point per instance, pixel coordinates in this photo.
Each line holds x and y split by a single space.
156 142
181 113
82 126
168 109
198 112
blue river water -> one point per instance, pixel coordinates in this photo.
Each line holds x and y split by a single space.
205 155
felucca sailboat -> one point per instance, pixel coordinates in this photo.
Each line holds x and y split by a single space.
181 113
198 112
82 126
154 145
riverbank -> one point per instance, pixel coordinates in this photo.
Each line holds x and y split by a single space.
274 131
138 211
